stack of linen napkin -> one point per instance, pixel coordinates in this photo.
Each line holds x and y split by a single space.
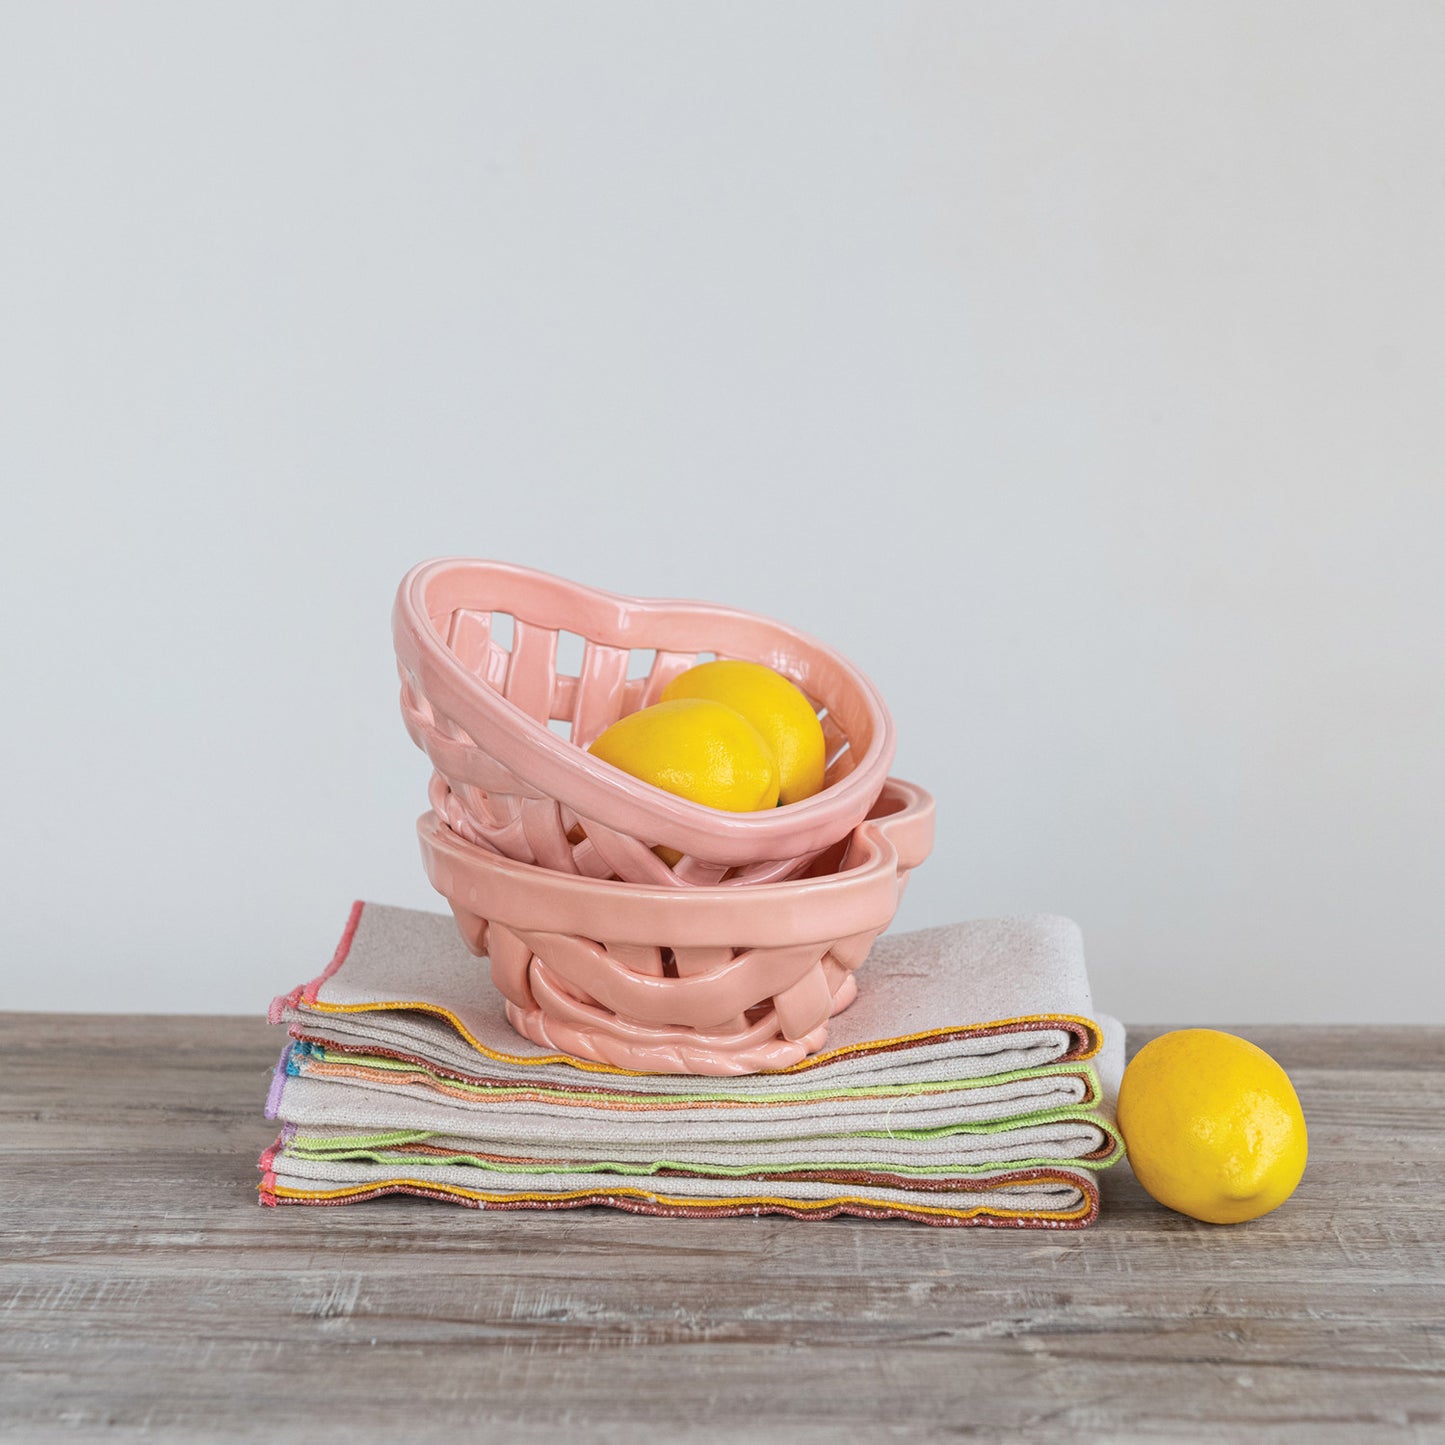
970 1083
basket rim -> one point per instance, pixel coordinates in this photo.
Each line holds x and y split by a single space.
793 912
597 789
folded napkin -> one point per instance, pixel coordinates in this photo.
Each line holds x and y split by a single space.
963 1086
981 1149
1003 993
1041 1199
390 1094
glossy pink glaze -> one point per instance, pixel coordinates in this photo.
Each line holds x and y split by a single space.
506 780
705 980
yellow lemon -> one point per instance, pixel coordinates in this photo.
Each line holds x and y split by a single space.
1213 1126
775 707
696 749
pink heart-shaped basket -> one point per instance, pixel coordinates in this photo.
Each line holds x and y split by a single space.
703 980
507 728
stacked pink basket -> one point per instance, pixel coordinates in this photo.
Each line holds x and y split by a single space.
730 960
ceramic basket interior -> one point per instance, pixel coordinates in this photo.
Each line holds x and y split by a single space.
507 674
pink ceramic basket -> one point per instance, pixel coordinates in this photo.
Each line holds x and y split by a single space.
706 980
490 712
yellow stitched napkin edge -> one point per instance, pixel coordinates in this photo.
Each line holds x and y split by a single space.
1091 1028
741 1202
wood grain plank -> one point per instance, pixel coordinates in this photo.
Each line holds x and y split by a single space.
143 1292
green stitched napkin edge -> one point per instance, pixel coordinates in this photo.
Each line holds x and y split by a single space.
375 1149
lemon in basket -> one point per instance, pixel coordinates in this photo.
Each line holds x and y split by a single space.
1212 1125
697 749
775 707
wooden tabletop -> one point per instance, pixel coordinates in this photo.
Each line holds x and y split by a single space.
143 1289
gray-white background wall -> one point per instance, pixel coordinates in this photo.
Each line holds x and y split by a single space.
1077 368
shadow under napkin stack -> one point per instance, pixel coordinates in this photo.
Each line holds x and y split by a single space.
971 1083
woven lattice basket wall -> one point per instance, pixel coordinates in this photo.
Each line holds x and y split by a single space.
489 692
706 980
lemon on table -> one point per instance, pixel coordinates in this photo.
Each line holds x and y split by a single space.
775 707
1213 1126
697 749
